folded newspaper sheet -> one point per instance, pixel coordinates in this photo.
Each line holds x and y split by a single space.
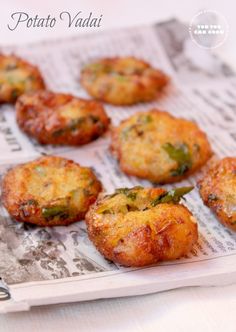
53 265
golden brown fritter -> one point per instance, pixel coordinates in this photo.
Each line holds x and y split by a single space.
122 81
158 147
49 191
17 76
56 118
138 227
218 190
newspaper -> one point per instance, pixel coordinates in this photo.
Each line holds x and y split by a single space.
52 265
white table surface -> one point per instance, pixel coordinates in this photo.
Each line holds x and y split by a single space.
189 309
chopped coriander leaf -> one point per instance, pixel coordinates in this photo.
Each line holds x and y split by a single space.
144 119
14 93
132 196
32 202
181 154
182 169
148 118
128 192
74 123
122 191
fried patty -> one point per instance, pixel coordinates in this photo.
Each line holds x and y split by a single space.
17 76
159 147
123 81
56 118
218 191
138 227
49 191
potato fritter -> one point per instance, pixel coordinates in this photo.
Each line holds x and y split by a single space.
141 226
218 190
49 191
122 81
56 118
158 147
17 77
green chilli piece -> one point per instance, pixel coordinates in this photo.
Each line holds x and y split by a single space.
172 196
51 212
32 202
181 154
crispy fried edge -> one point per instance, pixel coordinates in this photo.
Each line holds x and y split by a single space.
45 136
14 209
206 188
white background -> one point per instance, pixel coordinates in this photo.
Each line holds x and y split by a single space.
189 309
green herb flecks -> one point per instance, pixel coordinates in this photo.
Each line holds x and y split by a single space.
172 196
181 155
29 202
144 119
74 124
32 202
128 192
27 206
14 94
107 211
40 170
121 78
